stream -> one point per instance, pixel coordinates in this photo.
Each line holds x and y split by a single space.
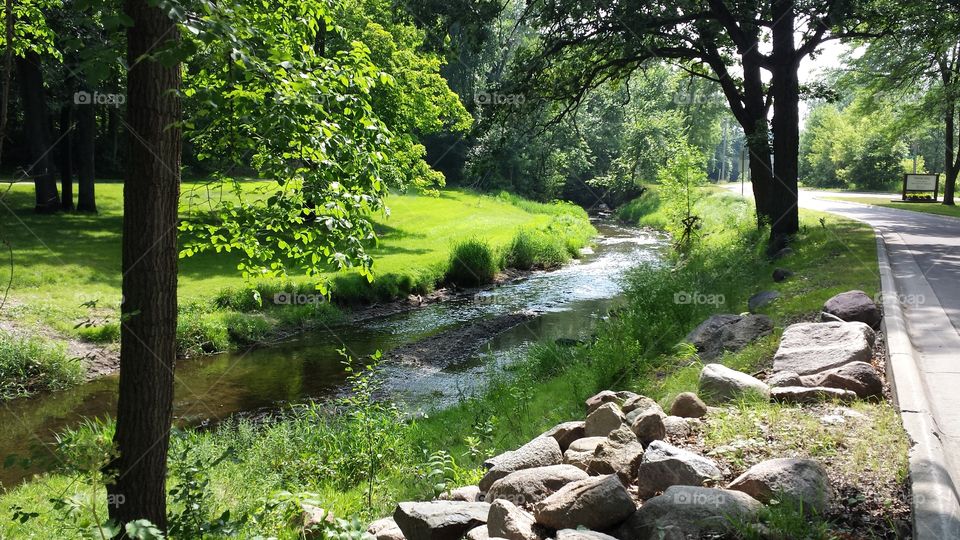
563 303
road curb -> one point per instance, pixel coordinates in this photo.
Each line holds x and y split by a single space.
936 509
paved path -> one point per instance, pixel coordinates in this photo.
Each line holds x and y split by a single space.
923 251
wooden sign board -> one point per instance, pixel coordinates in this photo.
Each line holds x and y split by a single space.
921 183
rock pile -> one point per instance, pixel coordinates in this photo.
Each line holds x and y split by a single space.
611 476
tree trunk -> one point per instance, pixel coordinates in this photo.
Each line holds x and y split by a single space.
36 117
149 264
949 164
86 141
66 157
785 90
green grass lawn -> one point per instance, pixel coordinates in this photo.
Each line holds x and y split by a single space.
66 267
926 208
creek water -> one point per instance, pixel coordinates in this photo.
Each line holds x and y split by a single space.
566 303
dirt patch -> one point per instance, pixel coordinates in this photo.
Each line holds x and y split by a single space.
457 344
98 360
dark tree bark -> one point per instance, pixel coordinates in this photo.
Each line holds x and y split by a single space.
149 264
950 168
36 119
65 148
785 90
85 146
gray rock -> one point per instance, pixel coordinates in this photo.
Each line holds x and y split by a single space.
385 529
608 396
464 494
578 534
784 378
761 300
439 520
688 405
313 518
684 512
581 452
529 486
648 425
508 521
677 428
478 533
809 348
720 383
599 502
539 452
801 480
807 395
664 465
727 332
586 444
781 274
858 377
637 403
854 306
566 433
619 454
603 420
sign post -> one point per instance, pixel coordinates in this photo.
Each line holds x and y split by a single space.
921 183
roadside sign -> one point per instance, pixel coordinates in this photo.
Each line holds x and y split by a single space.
921 183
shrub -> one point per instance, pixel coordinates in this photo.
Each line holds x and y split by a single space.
106 333
472 263
32 364
199 332
246 328
536 249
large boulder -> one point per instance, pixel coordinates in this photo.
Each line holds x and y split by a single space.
603 420
508 521
688 405
664 465
858 377
690 512
727 333
539 452
809 348
566 433
385 529
800 395
599 502
720 383
439 520
854 306
581 452
529 486
801 480
619 454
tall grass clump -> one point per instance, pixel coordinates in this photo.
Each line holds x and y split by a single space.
473 263
31 364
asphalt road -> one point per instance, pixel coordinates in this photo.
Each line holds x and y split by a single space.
924 255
